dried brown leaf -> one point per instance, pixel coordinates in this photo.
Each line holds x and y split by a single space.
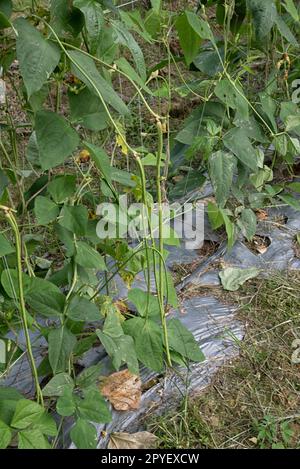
140 440
123 390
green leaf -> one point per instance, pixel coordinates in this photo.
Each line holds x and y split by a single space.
9 280
65 18
74 219
101 160
182 341
188 38
26 413
285 31
248 223
85 69
237 142
46 424
89 376
57 384
5 435
62 187
200 26
221 169
5 247
233 277
66 405
93 406
147 337
32 439
61 344
94 21
87 110
88 257
45 210
45 298
233 96
290 200
125 66
37 57
84 435
56 140
81 309
143 299
264 15
230 228
290 7
215 216
8 401
120 347
124 37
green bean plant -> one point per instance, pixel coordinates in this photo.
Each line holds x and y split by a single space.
72 63
87 119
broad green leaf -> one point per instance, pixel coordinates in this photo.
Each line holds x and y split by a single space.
74 218
101 160
9 281
120 347
125 66
142 300
292 123
285 31
230 228
5 246
290 7
56 140
36 55
264 16
215 216
45 298
6 7
9 397
94 21
247 223
56 385
237 142
81 309
88 257
148 342
125 38
221 169
85 69
45 210
67 239
269 108
32 439
61 344
66 405
62 187
200 26
87 110
89 376
46 424
84 435
5 435
189 40
93 406
233 96
182 341
290 200
26 413
156 5
233 277
65 18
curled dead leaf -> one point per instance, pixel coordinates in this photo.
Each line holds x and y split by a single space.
140 440
123 390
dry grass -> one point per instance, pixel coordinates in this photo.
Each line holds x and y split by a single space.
253 402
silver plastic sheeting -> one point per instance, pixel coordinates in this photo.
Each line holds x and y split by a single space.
213 324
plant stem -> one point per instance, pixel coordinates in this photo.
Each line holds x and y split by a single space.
12 221
161 239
